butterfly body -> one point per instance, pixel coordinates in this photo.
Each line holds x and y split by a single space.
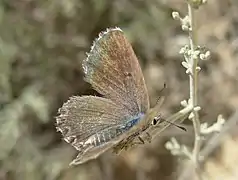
95 124
111 133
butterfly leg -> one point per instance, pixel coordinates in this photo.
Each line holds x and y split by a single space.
123 144
126 144
131 143
142 141
149 138
117 150
138 142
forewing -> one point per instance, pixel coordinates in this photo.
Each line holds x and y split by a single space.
113 70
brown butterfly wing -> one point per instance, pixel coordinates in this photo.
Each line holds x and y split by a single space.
113 70
88 123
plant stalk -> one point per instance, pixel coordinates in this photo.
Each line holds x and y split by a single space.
193 84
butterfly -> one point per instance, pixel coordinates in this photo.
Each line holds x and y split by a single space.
115 121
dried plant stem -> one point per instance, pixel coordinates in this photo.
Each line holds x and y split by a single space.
217 139
193 81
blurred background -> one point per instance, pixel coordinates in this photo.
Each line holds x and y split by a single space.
42 45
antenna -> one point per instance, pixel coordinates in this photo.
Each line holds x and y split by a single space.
158 119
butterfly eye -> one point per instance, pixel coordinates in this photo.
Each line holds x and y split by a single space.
155 120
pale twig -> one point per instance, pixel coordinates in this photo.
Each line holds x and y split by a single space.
193 83
216 140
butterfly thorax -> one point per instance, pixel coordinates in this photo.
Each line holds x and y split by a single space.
141 127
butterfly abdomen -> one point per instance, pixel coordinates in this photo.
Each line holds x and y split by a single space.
103 137
111 133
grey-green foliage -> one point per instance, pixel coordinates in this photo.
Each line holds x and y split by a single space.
11 117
